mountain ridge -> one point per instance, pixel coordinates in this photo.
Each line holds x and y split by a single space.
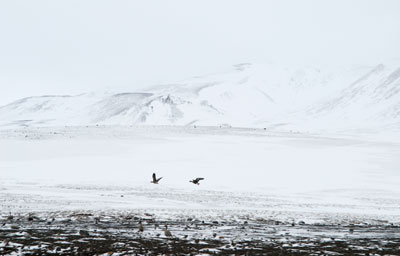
247 95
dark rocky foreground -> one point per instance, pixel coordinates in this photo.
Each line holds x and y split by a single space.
118 234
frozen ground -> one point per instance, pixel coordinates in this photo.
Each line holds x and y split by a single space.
82 168
250 174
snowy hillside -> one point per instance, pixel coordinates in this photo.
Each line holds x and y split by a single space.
247 95
373 98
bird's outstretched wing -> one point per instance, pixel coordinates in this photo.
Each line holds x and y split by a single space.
199 179
154 177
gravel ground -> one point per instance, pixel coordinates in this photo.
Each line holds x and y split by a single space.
85 233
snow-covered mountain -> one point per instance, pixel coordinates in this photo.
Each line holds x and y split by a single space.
246 95
372 98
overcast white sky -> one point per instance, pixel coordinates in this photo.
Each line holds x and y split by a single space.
69 47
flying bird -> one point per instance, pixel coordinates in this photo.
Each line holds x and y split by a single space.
155 180
196 181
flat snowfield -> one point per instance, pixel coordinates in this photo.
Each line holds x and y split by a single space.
87 191
287 176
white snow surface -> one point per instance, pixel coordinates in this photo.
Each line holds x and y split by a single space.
316 144
247 171
365 99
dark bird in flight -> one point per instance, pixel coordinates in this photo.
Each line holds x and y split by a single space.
196 181
155 180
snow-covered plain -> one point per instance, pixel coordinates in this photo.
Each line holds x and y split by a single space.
264 173
317 156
